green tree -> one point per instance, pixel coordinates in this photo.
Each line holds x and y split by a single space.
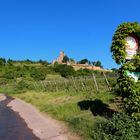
115 69
72 60
65 59
98 64
93 63
2 61
83 61
28 61
10 62
64 70
45 63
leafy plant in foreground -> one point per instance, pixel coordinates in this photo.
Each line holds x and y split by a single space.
129 89
120 127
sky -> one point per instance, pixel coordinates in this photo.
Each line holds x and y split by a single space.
40 29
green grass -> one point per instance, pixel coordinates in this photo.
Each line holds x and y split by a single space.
64 106
53 77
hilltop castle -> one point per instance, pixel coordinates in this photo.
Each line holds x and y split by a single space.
59 58
75 65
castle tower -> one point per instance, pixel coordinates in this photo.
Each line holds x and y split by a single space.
60 58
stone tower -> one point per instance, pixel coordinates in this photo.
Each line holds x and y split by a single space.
60 58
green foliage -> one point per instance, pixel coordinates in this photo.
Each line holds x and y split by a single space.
120 127
10 62
118 41
11 72
129 89
38 74
65 59
64 70
97 63
83 126
22 85
64 106
83 61
2 61
71 60
115 70
27 61
45 63
83 72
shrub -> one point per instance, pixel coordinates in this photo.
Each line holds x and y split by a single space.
64 70
2 61
129 86
83 72
11 72
38 74
120 127
22 85
9 75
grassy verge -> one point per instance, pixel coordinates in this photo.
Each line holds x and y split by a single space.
72 108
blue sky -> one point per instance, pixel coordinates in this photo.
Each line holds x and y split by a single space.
40 29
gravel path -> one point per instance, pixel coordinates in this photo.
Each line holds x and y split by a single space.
12 126
21 121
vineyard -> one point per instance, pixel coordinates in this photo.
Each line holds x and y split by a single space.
95 83
86 84
74 100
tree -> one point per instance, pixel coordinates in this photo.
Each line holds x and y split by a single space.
45 63
65 59
89 62
72 60
83 61
2 61
64 70
97 64
115 69
10 62
93 63
28 61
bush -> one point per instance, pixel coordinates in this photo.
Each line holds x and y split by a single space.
128 85
2 61
83 72
9 74
64 70
22 85
38 74
12 72
120 127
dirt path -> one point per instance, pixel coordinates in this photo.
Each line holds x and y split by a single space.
21 121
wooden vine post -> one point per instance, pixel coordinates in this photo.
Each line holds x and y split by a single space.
126 51
96 85
109 87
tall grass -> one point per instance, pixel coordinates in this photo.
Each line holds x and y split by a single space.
64 107
60 99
